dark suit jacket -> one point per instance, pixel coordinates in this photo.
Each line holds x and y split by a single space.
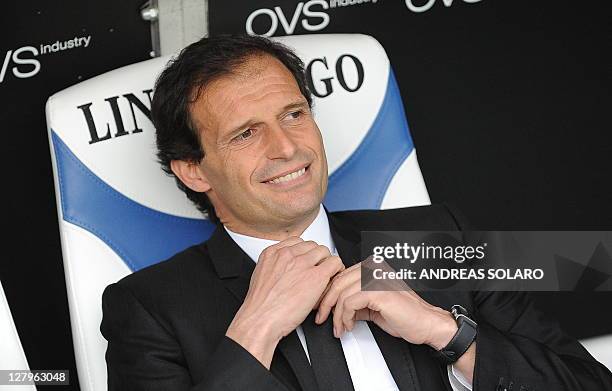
166 324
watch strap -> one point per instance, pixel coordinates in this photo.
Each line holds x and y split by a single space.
461 341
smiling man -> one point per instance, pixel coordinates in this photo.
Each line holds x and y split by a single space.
265 168
273 300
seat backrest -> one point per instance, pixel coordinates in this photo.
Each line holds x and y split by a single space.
118 212
12 356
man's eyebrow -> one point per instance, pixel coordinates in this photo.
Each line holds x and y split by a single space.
295 105
299 104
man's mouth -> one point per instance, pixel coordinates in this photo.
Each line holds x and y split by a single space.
288 177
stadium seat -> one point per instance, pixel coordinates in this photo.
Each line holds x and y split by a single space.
118 212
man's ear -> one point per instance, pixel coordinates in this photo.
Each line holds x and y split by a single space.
191 175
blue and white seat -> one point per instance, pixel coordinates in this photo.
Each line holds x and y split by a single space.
119 212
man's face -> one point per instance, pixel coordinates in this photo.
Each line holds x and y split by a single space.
264 157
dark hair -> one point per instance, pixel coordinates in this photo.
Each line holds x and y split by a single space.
182 82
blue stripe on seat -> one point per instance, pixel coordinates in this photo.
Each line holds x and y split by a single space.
362 180
140 235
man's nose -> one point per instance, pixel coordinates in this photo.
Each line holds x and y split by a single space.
280 144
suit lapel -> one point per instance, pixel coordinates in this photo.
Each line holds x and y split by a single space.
234 268
233 265
292 349
347 238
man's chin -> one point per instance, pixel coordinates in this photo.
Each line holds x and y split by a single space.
297 208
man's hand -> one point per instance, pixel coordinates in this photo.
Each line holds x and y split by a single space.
286 285
401 313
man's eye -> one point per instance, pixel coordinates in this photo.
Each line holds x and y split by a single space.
295 114
244 135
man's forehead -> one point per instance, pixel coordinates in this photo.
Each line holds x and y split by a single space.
256 69
254 66
229 96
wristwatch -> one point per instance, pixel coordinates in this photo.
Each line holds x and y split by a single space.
463 338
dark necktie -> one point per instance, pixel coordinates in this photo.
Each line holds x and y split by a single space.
326 355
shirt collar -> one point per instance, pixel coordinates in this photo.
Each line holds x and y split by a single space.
318 231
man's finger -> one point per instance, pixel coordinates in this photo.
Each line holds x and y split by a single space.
337 285
330 266
336 264
290 241
313 256
355 307
348 291
300 248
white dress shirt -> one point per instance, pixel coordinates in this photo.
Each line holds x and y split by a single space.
364 360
